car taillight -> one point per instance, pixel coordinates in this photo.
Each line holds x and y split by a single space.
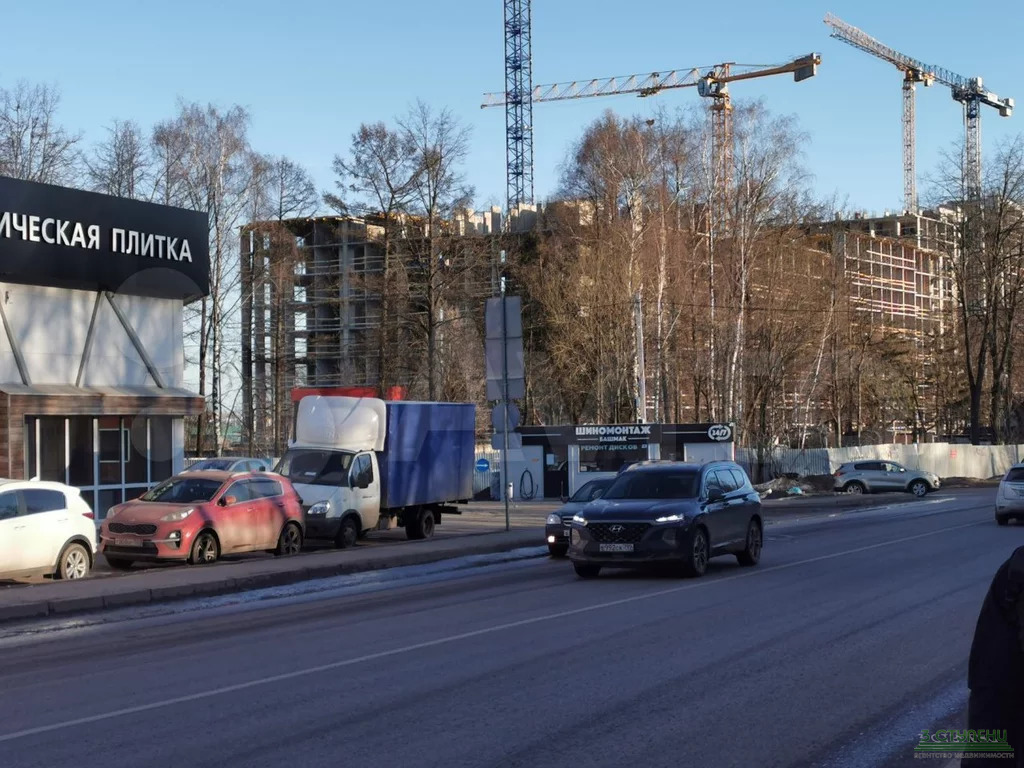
89 515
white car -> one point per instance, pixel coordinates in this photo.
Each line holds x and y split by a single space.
45 529
1010 496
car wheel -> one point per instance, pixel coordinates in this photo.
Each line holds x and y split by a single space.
348 534
751 554
290 541
558 550
919 488
1002 519
586 570
855 488
117 563
205 549
695 561
74 562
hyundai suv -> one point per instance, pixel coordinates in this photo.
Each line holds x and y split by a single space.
669 514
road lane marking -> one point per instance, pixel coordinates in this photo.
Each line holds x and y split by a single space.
455 638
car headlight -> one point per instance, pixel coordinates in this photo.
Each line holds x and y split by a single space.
674 518
177 515
554 519
320 508
579 519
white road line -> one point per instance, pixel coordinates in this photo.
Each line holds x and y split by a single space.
454 638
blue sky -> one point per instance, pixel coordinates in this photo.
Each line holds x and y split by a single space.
310 71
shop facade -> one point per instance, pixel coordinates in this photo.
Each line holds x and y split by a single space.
93 292
556 461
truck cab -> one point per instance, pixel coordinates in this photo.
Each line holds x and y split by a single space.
336 487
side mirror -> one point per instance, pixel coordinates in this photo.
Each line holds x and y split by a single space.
227 501
715 496
564 498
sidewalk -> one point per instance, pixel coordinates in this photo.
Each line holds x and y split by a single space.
176 582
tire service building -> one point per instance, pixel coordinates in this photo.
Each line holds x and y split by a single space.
92 365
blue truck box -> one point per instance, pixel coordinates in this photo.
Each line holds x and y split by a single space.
428 456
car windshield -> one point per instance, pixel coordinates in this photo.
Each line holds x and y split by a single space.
654 485
183 490
318 466
590 491
214 464
1015 475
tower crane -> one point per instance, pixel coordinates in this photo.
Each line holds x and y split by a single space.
968 91
711 82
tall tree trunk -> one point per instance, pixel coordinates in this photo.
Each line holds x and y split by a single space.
201 418
248 292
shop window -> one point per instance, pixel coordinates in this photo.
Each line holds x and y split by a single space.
81 464
31 467
112 440
108 498
135 450
161 449
52 460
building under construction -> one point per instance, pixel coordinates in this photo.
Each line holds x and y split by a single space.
312 309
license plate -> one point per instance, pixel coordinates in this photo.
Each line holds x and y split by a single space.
565 532
128 542
615 548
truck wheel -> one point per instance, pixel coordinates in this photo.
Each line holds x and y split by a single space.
422 526
348 534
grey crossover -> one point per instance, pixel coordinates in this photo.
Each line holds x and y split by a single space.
671 514
872 476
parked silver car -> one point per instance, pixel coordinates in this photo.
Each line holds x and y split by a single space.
1010 496
880 476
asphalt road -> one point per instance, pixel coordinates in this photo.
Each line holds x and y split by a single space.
850 637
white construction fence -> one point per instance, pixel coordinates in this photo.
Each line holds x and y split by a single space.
944 459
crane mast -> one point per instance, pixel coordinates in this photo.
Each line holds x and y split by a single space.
518 106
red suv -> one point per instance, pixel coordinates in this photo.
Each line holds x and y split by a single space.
198 516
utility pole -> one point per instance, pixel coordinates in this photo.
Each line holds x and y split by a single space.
504 389
641 367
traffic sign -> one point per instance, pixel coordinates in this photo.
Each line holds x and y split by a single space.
482 465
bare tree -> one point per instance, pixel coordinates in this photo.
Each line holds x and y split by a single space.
378 177
440 145
33 144
120 165
207 164
986 264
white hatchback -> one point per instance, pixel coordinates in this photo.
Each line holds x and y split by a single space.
1010 496
45 529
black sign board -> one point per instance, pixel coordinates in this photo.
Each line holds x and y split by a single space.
67 238
634 435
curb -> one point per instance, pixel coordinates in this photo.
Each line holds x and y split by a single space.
136 595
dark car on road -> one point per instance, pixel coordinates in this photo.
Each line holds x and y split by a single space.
556 529
672 514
